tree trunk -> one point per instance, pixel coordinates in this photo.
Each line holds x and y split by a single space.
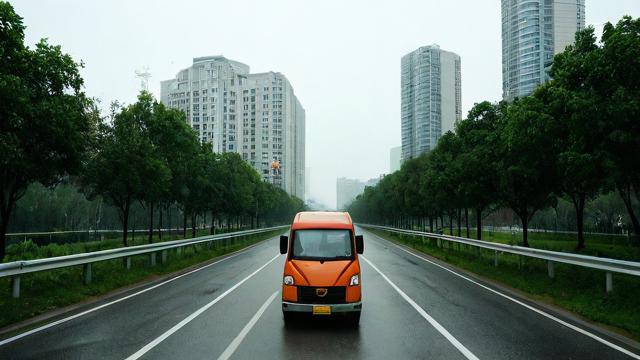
4 224
466 220
431 224
525 230
193 225
479 223
125 222
578 204
150 223
450 224
459 218
160 224
212 231
184 225
625 194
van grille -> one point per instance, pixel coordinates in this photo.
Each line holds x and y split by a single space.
335 295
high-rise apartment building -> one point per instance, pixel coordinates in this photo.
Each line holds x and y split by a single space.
255 115
532 32
431 98
394 159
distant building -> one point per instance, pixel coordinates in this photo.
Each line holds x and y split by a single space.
532 32
348 189
346 192
431 93
255 115
394 159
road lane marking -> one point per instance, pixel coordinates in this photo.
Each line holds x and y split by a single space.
194 315
58 322
468 354
226 354
549 316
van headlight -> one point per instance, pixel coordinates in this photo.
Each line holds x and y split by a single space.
288 280
355 280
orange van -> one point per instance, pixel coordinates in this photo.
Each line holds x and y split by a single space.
322 273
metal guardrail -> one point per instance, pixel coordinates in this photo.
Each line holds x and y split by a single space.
593 262
17 268
88 231
516 229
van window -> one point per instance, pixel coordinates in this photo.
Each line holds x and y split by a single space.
322 245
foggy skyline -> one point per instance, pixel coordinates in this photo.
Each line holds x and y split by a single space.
343 60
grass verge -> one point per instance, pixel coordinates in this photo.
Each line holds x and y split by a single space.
610 246
579 290
45 291
29 249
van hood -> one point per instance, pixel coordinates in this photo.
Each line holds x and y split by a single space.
321 274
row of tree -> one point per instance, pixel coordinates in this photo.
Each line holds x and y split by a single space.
577 136
147 153
142 153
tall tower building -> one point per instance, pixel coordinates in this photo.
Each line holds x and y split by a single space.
431 98
255 115
532 32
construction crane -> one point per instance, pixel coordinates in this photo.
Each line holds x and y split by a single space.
144 75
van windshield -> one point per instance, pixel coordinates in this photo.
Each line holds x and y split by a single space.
322 245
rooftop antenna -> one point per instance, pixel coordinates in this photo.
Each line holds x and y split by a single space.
144 75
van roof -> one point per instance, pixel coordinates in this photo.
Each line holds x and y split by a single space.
322 220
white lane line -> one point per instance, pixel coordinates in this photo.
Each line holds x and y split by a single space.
226 354
58 322
468 354
194 315
549 316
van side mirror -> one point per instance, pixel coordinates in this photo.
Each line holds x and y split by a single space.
359 244
284 244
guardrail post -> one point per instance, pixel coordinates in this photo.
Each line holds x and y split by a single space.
609 285
495 258
550 269
179 251
15 287
86 270
127 262
163 257
152 259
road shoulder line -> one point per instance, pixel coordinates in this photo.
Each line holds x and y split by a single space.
194 315
233 346
468 354
519 302
170 278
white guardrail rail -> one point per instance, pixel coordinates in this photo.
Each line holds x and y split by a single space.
17 268
608 265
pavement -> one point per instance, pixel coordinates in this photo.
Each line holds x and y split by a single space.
413 308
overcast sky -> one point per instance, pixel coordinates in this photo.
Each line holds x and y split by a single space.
342 57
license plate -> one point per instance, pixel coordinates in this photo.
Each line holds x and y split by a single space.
321 310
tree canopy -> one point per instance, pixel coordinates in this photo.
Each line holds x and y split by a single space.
46 121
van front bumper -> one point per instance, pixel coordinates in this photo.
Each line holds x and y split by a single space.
308 308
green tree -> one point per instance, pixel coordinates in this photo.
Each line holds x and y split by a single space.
527 150
573 105
477 161
618 81
46 121
126 162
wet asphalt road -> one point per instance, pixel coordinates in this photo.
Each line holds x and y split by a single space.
412 309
